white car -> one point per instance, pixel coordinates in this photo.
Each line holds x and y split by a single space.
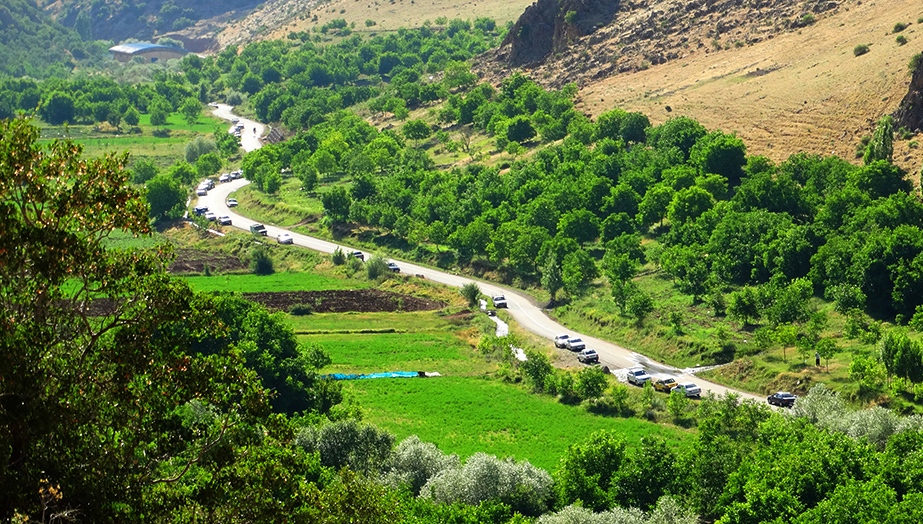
285 238
224 220
226 177
560 341
575 344
211 217
394 267
638 376
588 356
690 389
499 301
201 191
232 202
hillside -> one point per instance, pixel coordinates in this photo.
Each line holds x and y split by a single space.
31 44
783 85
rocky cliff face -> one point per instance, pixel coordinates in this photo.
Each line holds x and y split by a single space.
601 38
910 113
548 26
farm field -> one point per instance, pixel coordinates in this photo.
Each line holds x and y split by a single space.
249 283
465 415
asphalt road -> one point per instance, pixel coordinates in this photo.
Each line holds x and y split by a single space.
522 308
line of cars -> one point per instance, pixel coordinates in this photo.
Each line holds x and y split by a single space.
585 355
203 211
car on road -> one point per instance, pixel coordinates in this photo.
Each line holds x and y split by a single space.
560 341
690 389
575 344
201 191
224 220
200 210
638 376
258 229
393 267
232 202
212 104
235 120
665 384
500 301
358 254
782 399
237 174
211 217
588 356
225 177
285 238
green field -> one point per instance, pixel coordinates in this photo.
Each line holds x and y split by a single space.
464 415
249 283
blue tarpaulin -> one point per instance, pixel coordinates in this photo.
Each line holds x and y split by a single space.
390 374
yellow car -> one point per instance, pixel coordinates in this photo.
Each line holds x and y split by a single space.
665 384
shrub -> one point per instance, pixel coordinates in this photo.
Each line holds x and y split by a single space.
901 39
808 19
860 49
301 309
338 257
900 26
261 261
915 62
377 267
414 462
471 292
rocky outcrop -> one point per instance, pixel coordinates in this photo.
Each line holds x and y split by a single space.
548 26
909 114
601 38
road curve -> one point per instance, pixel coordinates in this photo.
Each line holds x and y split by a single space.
522 308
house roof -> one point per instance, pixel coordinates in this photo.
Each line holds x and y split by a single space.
138 47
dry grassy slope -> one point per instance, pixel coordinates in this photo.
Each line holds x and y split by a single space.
277 19
815 95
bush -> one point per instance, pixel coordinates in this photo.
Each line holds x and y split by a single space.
301 309
338 258
900 26
377 267
471 292
261 261
915 62
860 49
901 39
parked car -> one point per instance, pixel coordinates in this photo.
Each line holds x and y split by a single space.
200 210
211 217
690 389
560 341
782 399
258 229
225 177
285 238
638 376
201 191
500 301
666 384
393 267
232 202
224 220
575 344
588 356
237 174
358 254
235 120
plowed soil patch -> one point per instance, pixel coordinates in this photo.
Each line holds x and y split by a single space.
342 301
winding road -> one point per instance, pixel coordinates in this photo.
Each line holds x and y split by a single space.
522 308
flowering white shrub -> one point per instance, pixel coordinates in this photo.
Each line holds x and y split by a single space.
414 462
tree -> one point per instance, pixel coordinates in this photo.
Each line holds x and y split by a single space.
578 271
519 129
417 130
307 173
143 170
552 278
827 348
640 305
165 197
190 109
633 126
132 117
654 205
689 204
591 382
881 147
87 392
471 292
208 164
336 203
745 306
538 369
57 109
197 147
588 469
721 154
580 225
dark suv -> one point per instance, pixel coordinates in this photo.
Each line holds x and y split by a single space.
782 399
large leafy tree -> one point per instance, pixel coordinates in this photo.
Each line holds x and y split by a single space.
95 341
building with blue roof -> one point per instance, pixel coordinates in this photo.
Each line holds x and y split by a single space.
149 52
